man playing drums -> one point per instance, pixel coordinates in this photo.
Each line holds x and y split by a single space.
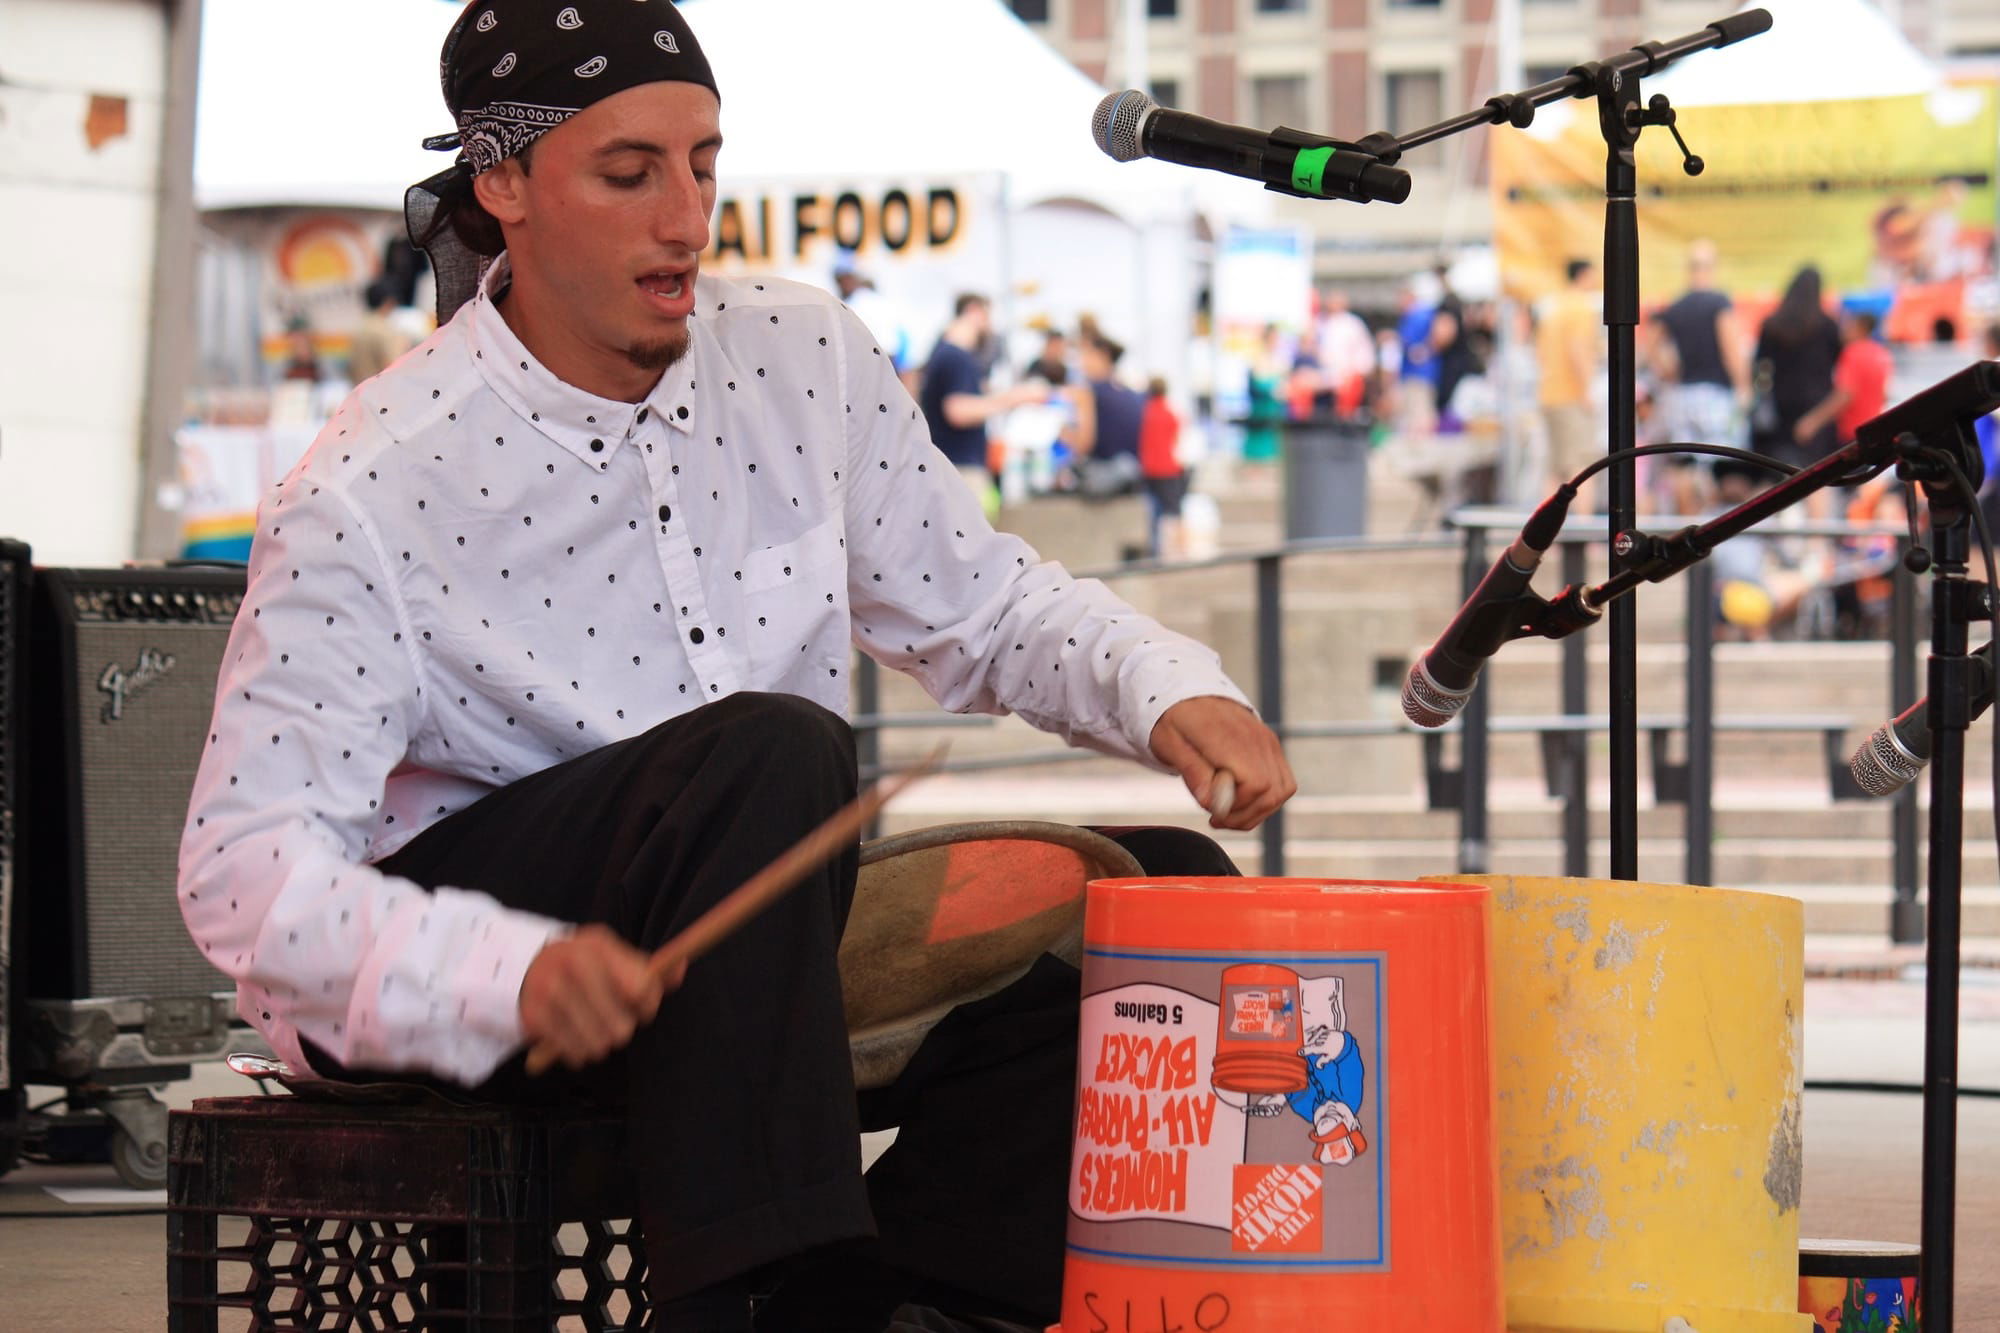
546 649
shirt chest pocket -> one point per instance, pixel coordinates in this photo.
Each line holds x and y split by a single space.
795 605
809 566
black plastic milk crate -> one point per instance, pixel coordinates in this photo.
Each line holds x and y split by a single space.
293 1213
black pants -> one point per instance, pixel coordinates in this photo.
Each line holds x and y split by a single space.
744 1117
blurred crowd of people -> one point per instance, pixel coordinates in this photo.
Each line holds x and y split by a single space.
1064 423
1789 388
1481 401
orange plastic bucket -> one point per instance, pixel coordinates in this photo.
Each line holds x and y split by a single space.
1284 1110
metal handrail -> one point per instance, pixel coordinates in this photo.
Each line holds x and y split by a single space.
1474 728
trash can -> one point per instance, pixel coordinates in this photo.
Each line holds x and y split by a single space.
1326 477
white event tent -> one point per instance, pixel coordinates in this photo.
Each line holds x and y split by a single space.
317 103
920 86
321 103
1816 51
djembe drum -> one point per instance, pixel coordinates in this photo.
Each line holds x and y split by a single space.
947 915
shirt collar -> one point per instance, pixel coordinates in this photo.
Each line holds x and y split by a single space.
588 426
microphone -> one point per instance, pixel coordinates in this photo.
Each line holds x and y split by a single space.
1901 747
1442 679
1131 125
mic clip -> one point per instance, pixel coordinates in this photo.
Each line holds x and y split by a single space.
1656 558
1569 612
1344 166
1532 616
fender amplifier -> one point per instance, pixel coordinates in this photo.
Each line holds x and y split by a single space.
122 665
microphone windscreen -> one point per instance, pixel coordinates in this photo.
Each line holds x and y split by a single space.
1115 124
1427 703
1882 766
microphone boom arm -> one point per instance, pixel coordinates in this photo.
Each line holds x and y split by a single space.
1651 559
1909 437
1518 109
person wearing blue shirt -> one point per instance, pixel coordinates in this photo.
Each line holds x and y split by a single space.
953 396
1108 416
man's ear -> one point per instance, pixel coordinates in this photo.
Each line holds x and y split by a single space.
501 192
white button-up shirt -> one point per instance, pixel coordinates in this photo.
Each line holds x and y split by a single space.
479 571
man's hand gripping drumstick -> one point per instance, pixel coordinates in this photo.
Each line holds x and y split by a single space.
1231 762
1221 794
585 996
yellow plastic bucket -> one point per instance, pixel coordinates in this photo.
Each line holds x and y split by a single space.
1647 1048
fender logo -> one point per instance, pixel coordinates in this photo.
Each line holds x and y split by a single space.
118 685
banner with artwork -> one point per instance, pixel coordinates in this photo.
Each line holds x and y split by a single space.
1892 197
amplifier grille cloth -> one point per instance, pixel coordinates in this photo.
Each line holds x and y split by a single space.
137 771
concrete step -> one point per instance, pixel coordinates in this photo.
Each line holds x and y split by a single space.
1831 908
1749 677
1771 837
1254 493
1319 820
1240 536
1391 766
1847 680
1739 861
1526 675
1857 863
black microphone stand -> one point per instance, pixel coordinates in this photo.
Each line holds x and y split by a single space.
1930 441
1614 82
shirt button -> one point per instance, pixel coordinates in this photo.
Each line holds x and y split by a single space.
665 513
696 634
681 412
597 446
642 414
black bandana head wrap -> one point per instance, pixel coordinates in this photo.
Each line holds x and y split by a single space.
512 71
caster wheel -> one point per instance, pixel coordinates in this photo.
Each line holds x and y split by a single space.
142 1166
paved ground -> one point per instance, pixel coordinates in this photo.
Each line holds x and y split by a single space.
72 1271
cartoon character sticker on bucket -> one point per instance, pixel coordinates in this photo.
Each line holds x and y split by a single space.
1223 1112
1336 1077
1309 1063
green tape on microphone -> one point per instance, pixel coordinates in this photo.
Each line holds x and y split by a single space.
1309 170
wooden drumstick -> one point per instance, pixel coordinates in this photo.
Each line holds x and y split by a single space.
769 884
1221 793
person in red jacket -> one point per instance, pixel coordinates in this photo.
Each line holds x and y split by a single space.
1160 468
1860 382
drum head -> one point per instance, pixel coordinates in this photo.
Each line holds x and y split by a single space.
1842 1258
943 916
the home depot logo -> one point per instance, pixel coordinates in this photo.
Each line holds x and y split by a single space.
1277 1208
